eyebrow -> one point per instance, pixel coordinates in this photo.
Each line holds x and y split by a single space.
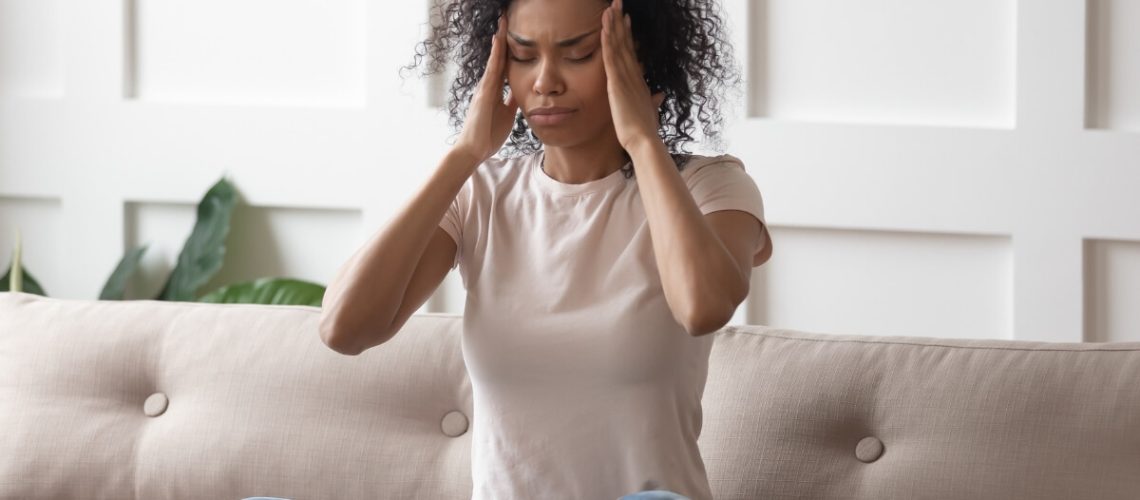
563 43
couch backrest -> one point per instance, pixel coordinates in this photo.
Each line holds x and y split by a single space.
153 400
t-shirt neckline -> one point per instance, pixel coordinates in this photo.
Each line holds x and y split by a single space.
555 186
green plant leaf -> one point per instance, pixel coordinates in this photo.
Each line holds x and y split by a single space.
281 291
18 279
113 290
30 285
205 249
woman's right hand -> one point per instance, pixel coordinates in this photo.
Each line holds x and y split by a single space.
489 119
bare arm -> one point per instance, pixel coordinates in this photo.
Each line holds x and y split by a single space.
362 301
361 306
702 279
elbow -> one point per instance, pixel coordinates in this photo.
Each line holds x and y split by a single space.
710 319
335 341
351 341
710 316
332 331
336 345
706 325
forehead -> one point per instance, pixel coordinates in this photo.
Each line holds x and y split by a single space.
547 21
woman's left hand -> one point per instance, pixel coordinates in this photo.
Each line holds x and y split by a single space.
634 110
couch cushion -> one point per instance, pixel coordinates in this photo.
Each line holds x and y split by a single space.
802 415
175 400
157 400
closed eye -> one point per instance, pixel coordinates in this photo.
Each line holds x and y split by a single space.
580 59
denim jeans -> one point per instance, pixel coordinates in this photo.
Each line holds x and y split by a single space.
641 495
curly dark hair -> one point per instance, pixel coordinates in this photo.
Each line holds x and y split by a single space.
681 43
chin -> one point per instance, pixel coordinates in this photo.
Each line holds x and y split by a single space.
561 137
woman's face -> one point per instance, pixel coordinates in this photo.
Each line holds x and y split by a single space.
554 59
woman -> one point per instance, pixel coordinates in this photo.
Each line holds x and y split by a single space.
596 254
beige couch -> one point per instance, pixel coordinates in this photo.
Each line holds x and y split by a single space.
161 400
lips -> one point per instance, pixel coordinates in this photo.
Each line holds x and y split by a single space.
550 111
549 116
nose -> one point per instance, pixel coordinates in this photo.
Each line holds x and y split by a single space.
549 81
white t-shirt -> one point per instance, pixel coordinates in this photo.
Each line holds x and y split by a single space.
584 385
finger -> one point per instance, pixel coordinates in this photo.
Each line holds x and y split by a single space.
623 56
614 45
613 58
617 5
658 98
497 43
617 26
491 59
607 41
493 77
630 47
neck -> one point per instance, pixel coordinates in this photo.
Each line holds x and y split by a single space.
584 162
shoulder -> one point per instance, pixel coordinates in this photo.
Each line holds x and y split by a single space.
700 166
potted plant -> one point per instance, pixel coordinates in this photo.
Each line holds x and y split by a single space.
201 257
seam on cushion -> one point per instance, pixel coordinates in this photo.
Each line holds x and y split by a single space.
734 330
165 303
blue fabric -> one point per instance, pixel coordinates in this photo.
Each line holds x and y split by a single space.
641 495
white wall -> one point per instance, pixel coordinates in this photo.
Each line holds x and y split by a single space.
961 168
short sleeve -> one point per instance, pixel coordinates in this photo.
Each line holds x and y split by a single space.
724 184
453 218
